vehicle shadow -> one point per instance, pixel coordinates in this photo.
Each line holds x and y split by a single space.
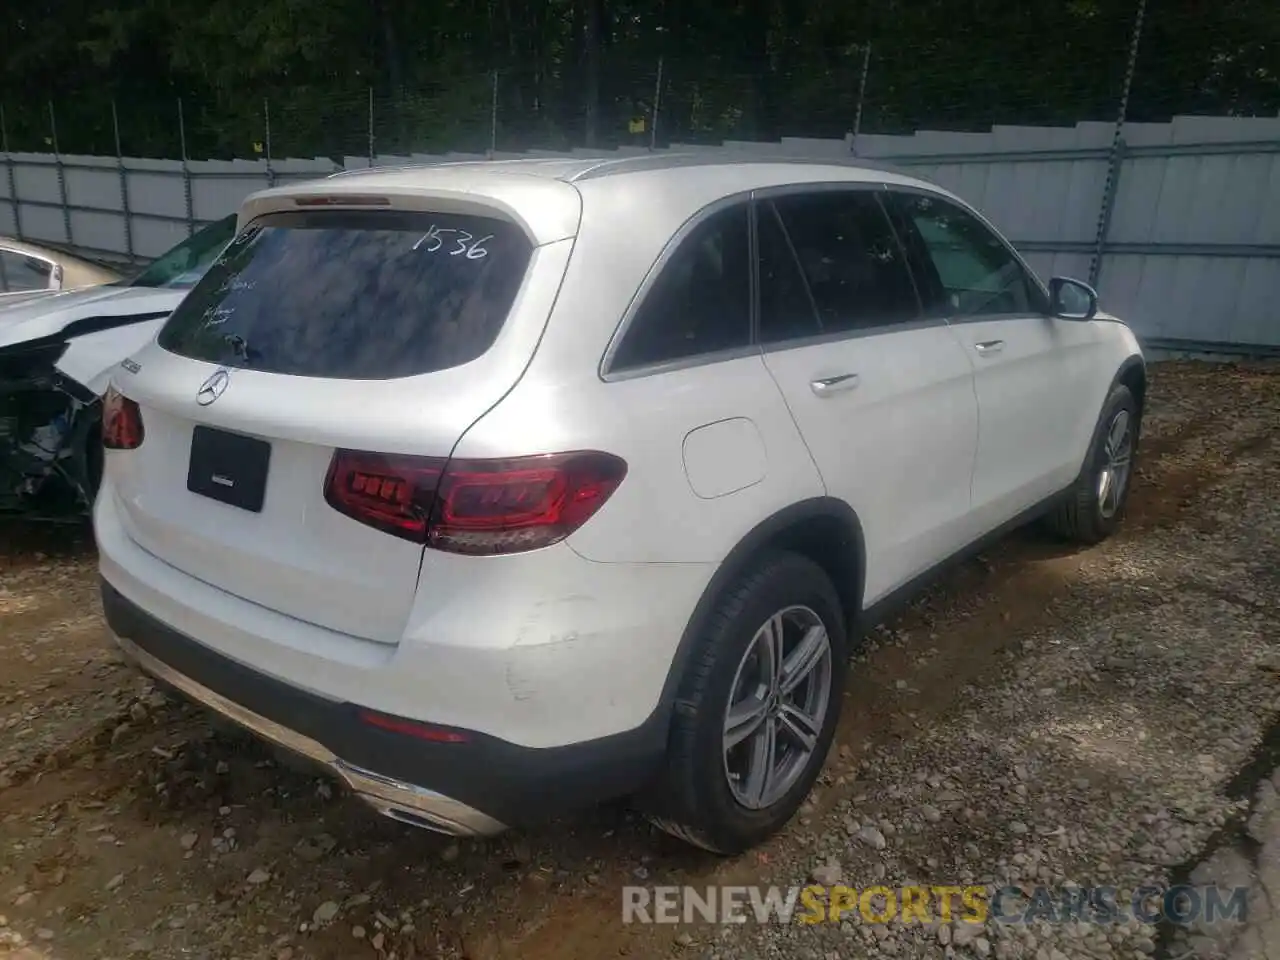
22 540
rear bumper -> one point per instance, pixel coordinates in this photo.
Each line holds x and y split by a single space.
543 649
471 788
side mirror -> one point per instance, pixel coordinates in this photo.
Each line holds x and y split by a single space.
1072 299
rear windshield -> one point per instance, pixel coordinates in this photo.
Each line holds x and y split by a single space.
353 295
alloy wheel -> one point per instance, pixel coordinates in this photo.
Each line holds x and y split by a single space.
1118 453
777 706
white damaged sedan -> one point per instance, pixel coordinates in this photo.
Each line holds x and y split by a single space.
56 351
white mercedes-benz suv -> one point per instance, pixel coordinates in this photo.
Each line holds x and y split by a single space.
504 488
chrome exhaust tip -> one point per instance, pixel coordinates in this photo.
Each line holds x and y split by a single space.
417 806
422 821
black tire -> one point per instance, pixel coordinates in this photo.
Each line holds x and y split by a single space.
1081 516
694 799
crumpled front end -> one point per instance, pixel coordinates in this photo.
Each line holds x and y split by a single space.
49 461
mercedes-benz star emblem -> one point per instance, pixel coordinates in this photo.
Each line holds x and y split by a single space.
213 388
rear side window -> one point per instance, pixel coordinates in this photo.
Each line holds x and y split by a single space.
701 302
851 259
354 295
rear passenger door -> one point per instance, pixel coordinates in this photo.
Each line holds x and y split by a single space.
883 396
1031 370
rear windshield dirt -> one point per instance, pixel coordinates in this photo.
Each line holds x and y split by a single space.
353 295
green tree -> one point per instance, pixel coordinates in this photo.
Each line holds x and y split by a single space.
578 71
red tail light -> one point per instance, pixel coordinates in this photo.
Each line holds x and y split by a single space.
121 422
392 494
473 506
412 728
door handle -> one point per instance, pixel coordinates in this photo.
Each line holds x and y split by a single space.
988 347
826 386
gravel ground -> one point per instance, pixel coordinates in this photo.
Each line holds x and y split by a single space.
1045 715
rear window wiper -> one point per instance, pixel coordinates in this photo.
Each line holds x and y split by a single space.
241 347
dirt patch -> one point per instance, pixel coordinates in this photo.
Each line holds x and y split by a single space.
130 826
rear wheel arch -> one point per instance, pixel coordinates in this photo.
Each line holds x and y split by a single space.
826 530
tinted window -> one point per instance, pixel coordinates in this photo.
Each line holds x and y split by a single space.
701 302
364 296
186 263
975 272
786 308
851 259
21 273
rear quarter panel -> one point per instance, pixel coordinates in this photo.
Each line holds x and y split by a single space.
656 515
564 403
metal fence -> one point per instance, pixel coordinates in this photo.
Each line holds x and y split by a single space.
1178 224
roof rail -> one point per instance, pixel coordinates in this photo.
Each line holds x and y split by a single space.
672 161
